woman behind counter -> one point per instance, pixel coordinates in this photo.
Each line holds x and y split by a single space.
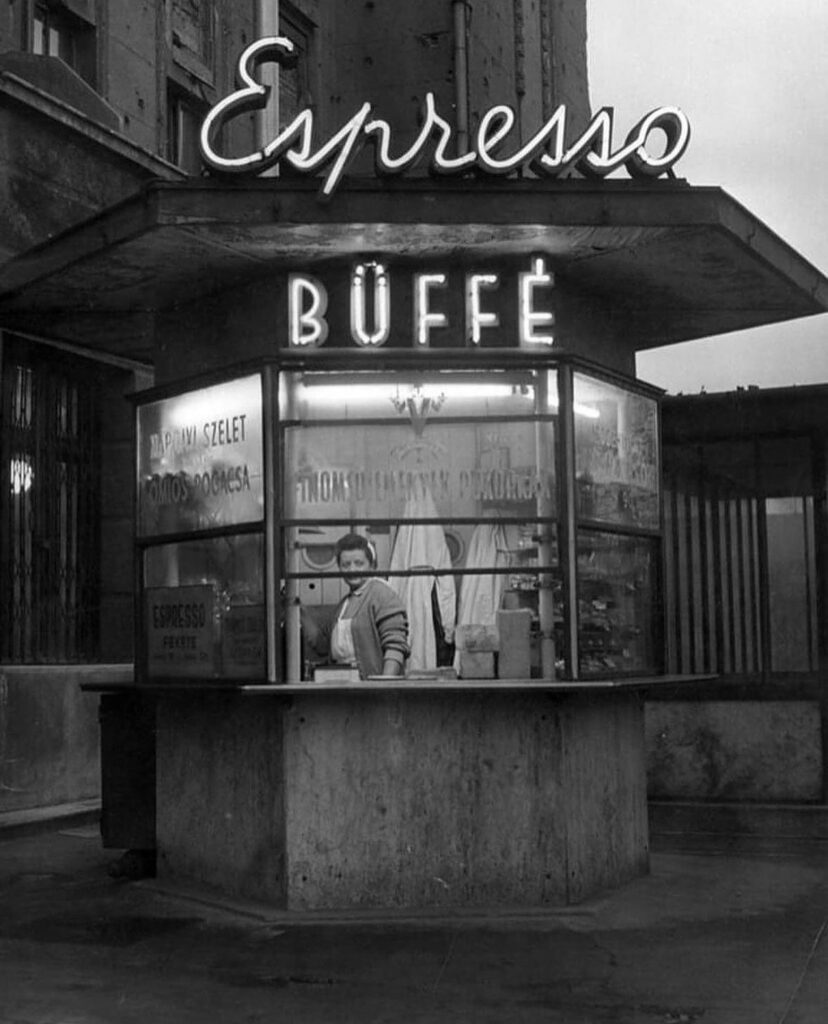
370 625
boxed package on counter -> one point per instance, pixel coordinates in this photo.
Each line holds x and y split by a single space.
476 645
514 659
335 674
475 637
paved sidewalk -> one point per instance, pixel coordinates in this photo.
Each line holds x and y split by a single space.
718 938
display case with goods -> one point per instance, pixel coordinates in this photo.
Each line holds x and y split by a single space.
536 583
507 563
617 508
616 604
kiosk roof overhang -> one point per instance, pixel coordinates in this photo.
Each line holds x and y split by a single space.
676 262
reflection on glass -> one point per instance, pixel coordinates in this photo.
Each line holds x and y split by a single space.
374 471
204 608
443 472
200 459
616 454
616 603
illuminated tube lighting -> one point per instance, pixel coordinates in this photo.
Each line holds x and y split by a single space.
308 327
532 320
546 152
424 319
476 318
324 393
331 393
382 306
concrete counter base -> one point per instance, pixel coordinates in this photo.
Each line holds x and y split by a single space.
331 800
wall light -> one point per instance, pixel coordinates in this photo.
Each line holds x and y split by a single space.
21 475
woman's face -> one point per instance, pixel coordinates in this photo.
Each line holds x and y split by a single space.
351 562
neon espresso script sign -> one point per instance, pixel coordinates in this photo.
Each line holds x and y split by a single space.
546 153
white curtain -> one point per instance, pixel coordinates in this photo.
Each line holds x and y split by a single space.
480 594
421 546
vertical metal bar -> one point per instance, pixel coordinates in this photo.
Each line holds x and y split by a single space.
682 595
545 510
267 119
272 535
756 629
757 582
742 580
704 576
691 528
568 525
730 568
461 74
765 640
43 491
680 578
669 576
718 661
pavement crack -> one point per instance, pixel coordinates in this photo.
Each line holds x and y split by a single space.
444 964
804 971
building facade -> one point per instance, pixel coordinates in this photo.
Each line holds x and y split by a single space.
97 99
100 101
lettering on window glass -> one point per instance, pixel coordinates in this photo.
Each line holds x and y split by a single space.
200 459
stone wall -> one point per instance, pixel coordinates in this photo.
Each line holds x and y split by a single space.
762 751
49 752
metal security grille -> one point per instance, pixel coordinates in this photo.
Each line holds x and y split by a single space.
740 562
713 572
49 514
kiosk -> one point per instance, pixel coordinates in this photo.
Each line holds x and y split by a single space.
447 368
513 504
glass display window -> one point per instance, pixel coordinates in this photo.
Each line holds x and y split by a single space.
468 492
617 599
452 477
616 454
200 459
204 608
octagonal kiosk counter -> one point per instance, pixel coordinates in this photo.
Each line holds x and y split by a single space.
511 508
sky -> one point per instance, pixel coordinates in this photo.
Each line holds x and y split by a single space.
752 77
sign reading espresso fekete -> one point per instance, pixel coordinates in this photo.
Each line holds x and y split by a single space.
650 149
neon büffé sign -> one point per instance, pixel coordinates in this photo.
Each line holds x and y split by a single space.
374 318
546 153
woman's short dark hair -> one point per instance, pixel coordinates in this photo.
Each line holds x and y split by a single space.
356 542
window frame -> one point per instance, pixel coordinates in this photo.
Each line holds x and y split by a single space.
276 525
76 32
181 103
59 620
